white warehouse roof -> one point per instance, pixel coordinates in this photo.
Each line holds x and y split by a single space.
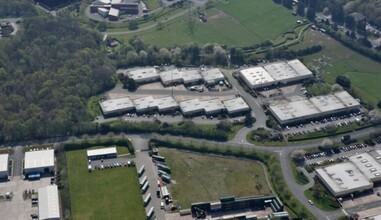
191 106
191 76
256 77
115 105
299 67
101 151
145 103
212 75
343 178
143 74
236 105
4 162
280 71
166 103
367 165
212 105
113 12
48 204
38 159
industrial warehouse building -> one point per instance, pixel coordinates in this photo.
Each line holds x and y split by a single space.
117 106
316 107
114 8
275 74
102 153
359 174
4 160
144 75
166 104
48 203
187 77
212 76
236 106
145 104
213 106
39 162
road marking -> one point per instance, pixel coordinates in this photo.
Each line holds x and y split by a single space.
345 212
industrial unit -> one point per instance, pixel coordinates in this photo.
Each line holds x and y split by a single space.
316 107
4 160
359 174
236 106
144 75
191 107
102 153
212 76
145 104
166 104
275 74
187 77
117 106
39 162
114 8
213 106
48 204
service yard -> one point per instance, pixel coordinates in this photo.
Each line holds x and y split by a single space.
111 193
200 178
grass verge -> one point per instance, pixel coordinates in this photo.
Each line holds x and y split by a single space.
321 198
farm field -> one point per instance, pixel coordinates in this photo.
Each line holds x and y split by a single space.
233 23
202 178
102 194
336 59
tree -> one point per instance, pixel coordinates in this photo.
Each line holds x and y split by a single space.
338 14
224 125
249 120
311 13
361 26
343 81
300 10
131 85
350 22
379 104
133 25
287 4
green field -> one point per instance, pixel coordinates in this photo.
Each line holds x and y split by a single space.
207 178
234 23
336 59
107 194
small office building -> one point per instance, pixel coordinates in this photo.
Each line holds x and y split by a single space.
102 153
144 75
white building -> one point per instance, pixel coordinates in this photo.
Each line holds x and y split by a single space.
212 76
275 73
103 12
117 106
236 106
145 104
191 107
343 179
113 14
187 77
320 106
213 106
48 203
367 165
39 162
166 104
144 75
102 153
4 160
191 77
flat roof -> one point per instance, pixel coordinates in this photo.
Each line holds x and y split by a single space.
280 71
116 1
143 73
4 162
299 67
191 75
38 159
103 9
213 74
367 165
48 204
101 151
144 103
344 178
166 102
113 105
314 106
113 12
191 105
171 76
212 105
256 76
236 104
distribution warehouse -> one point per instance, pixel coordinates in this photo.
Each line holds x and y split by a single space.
316 107
3 166
275 73
39 162
48 204
359 174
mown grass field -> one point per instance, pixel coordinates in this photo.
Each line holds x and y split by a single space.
207 178
364 73
107 194
234 23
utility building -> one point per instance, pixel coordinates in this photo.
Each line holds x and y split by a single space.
39 162
48 204
4 160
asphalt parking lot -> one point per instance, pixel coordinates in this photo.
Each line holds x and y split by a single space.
17 208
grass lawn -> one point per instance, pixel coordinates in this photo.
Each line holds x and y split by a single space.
321 198
336 59
207 178
234 23
107 194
